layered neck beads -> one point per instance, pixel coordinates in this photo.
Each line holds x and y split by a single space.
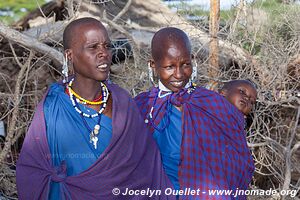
102 101
80 99
75 99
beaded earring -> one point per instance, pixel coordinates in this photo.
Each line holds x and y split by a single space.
107 79
150 73
194 72
65 69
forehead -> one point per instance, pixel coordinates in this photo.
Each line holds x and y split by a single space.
168 40
82 28
83 31
246 85
170 50
170 47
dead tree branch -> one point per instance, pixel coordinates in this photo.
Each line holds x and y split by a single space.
31 43
289 151
123 11
16 100
135 46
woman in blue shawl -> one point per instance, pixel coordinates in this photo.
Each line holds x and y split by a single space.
84 141
200 135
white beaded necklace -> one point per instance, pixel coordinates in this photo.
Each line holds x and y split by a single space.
93 133
75 101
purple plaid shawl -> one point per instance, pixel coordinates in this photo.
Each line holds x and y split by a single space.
132 160
214 152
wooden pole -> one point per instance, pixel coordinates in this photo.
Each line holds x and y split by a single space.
214 44
240 8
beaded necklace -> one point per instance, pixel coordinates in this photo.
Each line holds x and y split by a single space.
81 99
75 100
93 133
95 100
149 119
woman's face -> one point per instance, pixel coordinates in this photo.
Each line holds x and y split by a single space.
174 65
90 52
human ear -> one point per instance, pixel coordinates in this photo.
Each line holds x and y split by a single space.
69 58
223 93
152 65
68 54
151 71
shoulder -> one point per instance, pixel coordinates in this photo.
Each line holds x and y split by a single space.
203 94
120 95
118 91
55 89
142 97
215 103
53 92
142 100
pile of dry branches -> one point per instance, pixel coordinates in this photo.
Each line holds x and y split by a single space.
29 64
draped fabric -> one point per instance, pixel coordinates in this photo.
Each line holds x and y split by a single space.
131 160
69 142
214 152
169 142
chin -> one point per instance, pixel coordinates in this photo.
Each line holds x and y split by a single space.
102 78
176 90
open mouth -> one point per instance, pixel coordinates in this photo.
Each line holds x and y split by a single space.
102 67
177 83
243 102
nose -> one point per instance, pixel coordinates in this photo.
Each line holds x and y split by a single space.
102 51
246 97
178 74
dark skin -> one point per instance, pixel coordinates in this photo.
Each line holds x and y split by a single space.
90 53
241 93
172 58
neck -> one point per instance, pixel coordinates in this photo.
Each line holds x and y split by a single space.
87 88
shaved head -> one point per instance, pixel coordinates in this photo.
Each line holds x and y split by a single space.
166 37
70 32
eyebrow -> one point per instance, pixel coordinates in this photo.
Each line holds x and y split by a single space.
97 42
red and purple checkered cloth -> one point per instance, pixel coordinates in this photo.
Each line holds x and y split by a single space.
214 152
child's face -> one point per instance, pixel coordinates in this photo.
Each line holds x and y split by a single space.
242 95
90 52
174 67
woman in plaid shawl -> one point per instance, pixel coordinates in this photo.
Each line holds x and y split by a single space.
200 134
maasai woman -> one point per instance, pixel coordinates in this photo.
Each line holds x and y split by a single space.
85 140
200 135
